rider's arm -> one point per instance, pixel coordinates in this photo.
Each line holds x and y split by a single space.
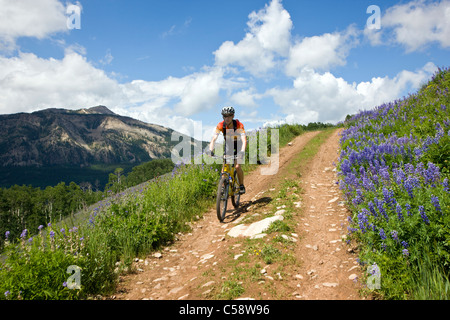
244 141
213 141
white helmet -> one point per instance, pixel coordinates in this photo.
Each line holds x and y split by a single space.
227 110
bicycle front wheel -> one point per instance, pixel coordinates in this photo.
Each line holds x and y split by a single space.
222 198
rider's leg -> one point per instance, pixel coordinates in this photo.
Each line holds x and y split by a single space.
240 173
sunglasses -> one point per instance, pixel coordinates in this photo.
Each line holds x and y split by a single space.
227 115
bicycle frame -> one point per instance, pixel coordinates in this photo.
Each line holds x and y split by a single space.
229 170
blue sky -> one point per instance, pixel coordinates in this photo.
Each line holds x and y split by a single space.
177 62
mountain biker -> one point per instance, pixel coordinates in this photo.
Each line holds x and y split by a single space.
233 130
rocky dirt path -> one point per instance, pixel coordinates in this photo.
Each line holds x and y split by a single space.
207 263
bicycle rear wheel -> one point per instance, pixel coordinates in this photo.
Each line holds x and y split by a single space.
222 198
235 198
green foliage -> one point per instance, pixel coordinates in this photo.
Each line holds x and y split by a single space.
36 269
394 168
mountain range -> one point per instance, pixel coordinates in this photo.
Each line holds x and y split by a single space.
55 138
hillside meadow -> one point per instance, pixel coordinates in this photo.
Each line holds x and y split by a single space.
394 171
67 261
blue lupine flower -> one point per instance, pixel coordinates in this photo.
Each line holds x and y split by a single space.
7 233
382 234
362 220
408 209
52 234
435 202
387 195
7 293
382 210
410 184
24 233
372 209
405 244
40 227
445 184
423 215
405 252
431 174
398 210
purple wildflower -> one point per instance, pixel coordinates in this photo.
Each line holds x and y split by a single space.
435 202
423 215
382 234
398 210
405 252
445 184
7 233
408 209
24 233
372 209
410 184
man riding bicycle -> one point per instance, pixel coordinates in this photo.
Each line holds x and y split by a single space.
235 139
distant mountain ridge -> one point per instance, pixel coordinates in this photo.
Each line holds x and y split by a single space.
55 137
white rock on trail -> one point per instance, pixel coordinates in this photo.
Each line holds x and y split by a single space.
254 228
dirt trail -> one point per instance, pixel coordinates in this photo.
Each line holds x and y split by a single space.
198 261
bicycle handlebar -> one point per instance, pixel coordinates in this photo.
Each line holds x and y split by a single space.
225 157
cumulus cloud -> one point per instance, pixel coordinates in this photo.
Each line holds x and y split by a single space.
268 37
246 98
326 98
28 83
321 52
414 25
30 18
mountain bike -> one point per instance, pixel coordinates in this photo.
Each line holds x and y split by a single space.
228 187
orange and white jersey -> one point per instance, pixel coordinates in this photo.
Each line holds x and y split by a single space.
234 133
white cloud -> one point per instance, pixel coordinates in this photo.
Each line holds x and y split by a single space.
321 52
268 37
246 98
201 91
326 98
28 83
107 59
414 25
30 18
